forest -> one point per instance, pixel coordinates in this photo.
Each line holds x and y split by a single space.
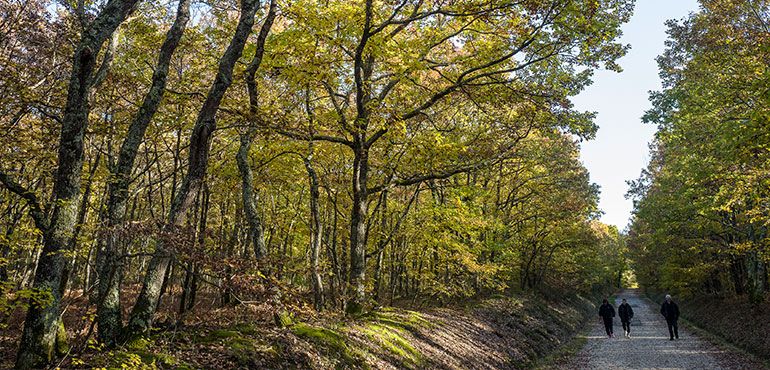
164 161
700 223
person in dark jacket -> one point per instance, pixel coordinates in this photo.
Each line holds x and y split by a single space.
626 313
670 311
607 312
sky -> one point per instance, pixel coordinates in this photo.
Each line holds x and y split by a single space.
620 149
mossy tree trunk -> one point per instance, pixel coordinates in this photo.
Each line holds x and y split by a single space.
109 270
42 325
200 143
316 233
256 233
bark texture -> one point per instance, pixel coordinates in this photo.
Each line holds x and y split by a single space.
38 342
256 232
109 270
316 233
200 143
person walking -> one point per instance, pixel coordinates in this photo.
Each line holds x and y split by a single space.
626 313
607 312
670 311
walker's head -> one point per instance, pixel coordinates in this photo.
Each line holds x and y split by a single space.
668 297
624 300
605 300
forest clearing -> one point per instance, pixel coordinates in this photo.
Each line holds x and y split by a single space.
370 184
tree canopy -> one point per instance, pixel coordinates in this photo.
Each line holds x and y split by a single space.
339 153
701 210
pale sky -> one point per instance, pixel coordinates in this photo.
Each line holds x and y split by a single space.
620 149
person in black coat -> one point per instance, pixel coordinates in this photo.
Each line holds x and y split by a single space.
626 313
607 312
670 311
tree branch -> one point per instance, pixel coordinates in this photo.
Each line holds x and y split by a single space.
35 211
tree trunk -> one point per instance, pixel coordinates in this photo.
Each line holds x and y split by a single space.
316 233
42 323
256 233
357 278
200 142
108 307
5 245
82 215
757 276
190 287
381 247
227 292
334 280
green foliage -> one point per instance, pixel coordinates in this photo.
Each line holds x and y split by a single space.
12 299
701 205
457 115
139 353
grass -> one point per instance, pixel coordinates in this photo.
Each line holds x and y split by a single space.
405 319
331 340
392 339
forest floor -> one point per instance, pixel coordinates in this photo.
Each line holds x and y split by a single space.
513 332
649 346
501 333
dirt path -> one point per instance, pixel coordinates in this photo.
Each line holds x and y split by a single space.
649 346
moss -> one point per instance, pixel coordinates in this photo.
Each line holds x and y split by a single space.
241 350
283 319
247 329
239 345
223 333
62 346
329 339
354 309
140 360
138 343
138 354
392 340
408 320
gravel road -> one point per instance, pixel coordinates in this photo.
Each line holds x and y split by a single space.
649 346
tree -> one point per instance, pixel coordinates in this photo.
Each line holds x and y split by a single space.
42 328
392 67
706 212
109 307
200 141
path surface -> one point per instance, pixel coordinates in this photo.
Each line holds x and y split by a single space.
649 346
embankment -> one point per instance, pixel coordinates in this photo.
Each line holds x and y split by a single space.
732 319
505 333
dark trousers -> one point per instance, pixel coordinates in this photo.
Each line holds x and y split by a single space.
626 326
608 325
673 328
